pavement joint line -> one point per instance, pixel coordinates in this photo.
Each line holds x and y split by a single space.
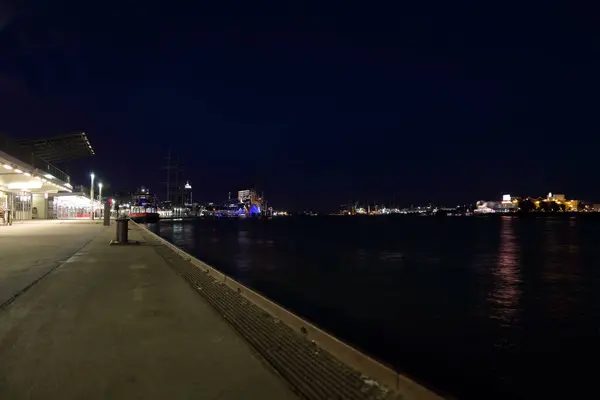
11 299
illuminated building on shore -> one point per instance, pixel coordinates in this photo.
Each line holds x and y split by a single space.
549 203
244 195
569 205
508 204
188 198
251 201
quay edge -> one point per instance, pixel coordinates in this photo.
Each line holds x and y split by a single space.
372 371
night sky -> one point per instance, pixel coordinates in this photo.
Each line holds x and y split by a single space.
317 103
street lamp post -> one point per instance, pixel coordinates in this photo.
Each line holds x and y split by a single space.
92 197
100 196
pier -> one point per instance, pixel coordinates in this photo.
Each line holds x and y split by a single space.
82 319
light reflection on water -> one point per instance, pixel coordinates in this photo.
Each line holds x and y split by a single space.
481 307
505 293
242 257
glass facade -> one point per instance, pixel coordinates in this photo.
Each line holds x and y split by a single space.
3 208
22 206
74 207
14 207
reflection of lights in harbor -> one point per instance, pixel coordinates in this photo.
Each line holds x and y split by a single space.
506 293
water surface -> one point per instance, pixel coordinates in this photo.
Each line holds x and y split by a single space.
481 308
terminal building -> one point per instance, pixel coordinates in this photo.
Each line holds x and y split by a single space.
31 184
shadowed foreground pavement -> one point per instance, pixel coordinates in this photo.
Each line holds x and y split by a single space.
31 249
117 322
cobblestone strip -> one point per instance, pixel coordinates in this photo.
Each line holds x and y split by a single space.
314 373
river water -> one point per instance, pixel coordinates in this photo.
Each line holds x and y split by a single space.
479 308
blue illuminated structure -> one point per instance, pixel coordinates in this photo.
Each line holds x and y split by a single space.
254 210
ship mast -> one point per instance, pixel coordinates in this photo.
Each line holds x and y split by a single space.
173 169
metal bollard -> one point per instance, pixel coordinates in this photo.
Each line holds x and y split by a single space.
106 214
122 230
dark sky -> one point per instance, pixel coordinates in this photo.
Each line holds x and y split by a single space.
314 103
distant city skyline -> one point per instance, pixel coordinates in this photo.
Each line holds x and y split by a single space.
316 105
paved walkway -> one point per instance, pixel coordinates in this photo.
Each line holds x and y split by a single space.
115 322
31 249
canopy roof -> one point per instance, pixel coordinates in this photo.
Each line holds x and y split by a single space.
60 149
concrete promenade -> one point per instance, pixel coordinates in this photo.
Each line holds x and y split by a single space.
82 319
113 322
29 250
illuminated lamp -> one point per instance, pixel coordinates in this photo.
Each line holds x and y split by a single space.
25 185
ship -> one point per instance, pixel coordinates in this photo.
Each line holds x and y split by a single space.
143 206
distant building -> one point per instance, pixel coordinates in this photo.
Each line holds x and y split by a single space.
556 197
345 209
252 202
507 205
569 205
244 195
188 198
